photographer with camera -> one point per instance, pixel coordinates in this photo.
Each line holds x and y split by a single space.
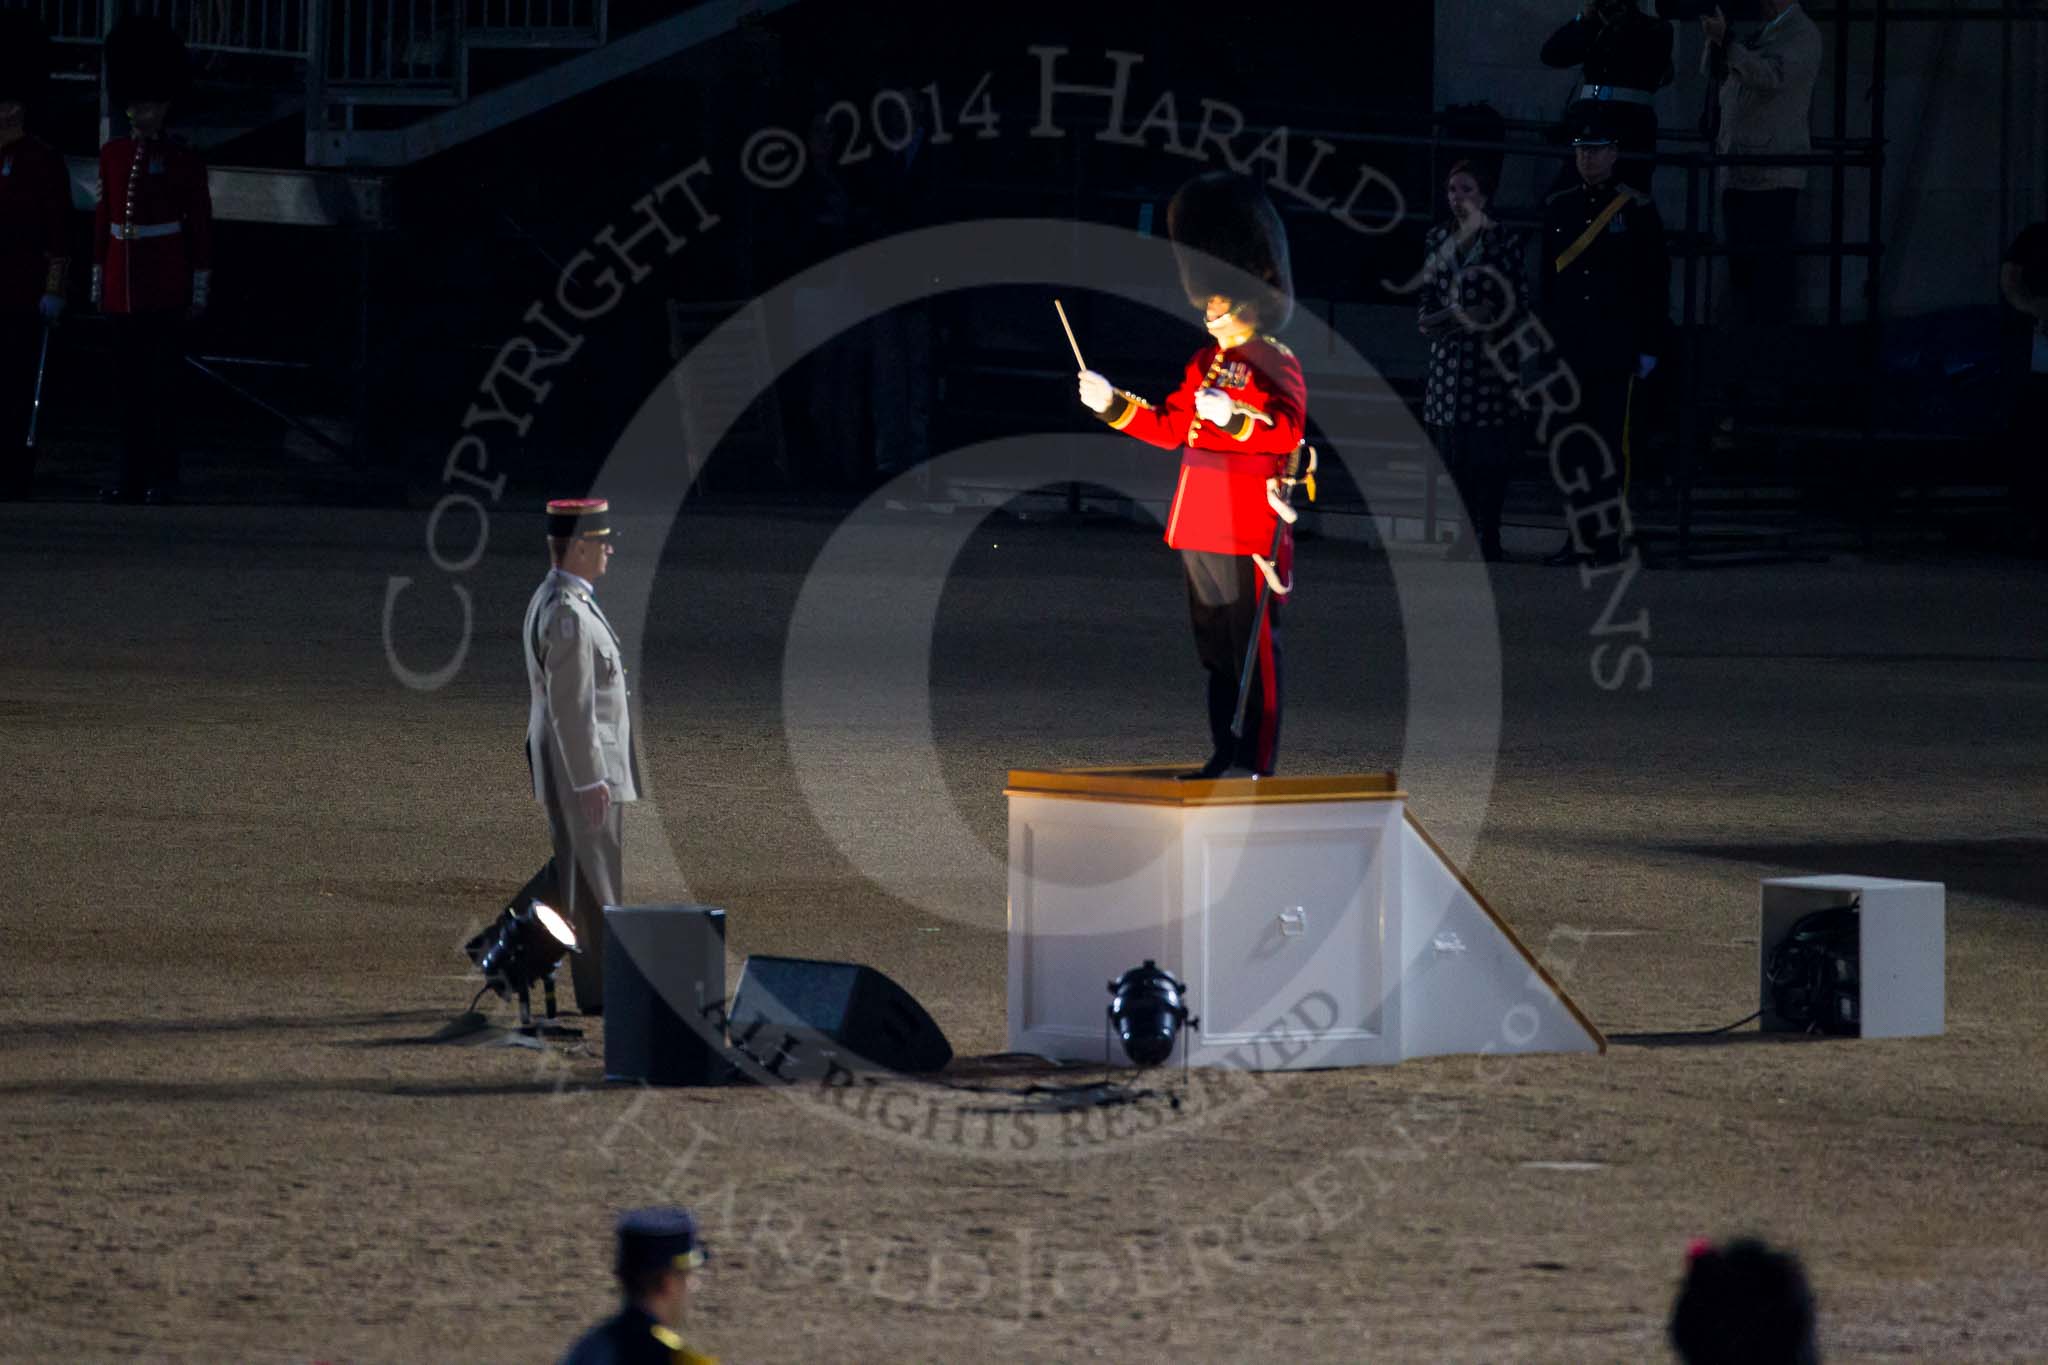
1765 97
1625 58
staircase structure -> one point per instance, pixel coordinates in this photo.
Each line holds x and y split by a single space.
384 84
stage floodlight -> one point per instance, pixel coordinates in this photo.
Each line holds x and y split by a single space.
1147 1009
522 947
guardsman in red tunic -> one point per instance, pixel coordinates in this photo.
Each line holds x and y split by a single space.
35 200
152 253
1236 417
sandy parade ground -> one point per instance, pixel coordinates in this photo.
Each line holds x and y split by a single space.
243 856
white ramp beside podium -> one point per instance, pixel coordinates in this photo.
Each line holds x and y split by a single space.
1314 923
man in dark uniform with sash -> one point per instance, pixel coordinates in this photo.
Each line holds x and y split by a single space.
579 731
35 204
1624 59
1236 418
658 1252
1605 299
152 253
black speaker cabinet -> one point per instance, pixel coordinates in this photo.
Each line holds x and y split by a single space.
664 994
798 1018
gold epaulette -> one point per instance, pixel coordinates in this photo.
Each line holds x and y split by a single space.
1277 345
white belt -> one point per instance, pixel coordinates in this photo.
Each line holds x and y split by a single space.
1616 94
128 232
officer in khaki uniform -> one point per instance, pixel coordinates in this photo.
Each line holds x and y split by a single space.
659 1251
579 733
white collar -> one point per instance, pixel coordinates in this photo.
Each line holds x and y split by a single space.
578 581
1787 13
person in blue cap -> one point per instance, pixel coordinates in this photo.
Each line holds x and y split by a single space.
658 1250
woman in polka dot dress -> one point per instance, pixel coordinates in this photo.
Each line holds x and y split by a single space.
1472 284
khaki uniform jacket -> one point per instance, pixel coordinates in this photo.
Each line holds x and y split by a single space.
579 725
1767 100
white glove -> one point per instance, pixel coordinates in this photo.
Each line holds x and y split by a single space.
1645 364
1215 407
1096 393
99 281
51 307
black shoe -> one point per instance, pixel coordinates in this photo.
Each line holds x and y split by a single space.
120 495
1492 553
161 496
1216 767
1567 555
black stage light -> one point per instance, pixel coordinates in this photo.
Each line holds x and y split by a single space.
519 948
1147 1009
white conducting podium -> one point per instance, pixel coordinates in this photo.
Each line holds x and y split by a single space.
1313 921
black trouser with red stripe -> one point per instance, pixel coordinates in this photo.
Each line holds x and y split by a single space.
1223 596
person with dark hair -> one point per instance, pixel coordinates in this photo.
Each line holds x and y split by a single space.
1237 416
659 1250
152 253
1472 277
1625 59
35 202
1744 1304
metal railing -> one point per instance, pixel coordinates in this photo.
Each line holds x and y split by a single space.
394 45
264 28
543 22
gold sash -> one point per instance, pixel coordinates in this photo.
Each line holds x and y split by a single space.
1593 229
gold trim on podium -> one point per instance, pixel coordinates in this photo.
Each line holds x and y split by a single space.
1158 786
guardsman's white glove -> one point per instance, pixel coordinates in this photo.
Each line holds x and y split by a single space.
1215 407
99 284
1646 365
51 307
1096 393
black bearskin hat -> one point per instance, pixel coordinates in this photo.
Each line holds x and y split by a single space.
146 60
24 58
1229 218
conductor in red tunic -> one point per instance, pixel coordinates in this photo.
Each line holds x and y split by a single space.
152 253
1237 415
